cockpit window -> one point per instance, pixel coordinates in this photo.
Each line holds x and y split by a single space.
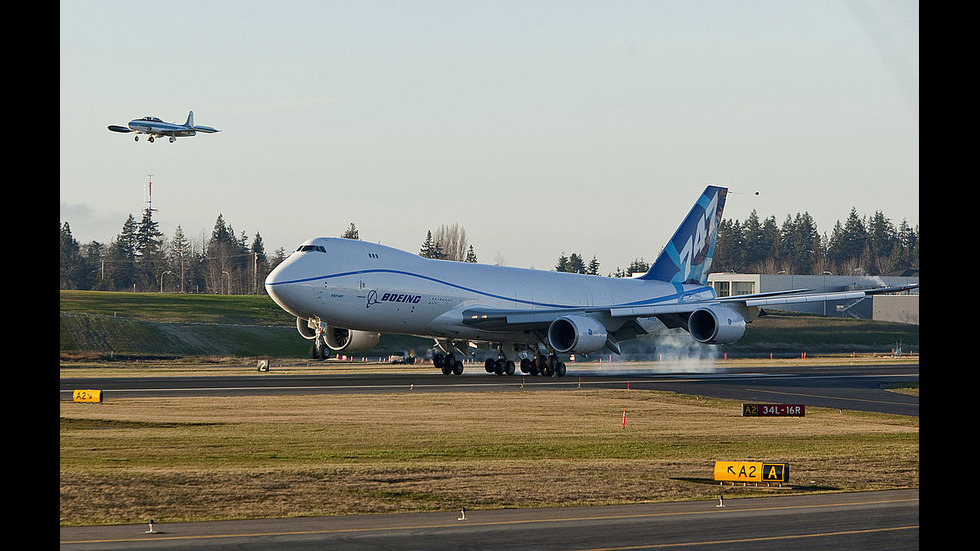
318 248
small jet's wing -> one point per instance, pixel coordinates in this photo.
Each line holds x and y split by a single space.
205 129
117 128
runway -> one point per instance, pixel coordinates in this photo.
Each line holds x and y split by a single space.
837 386
866 520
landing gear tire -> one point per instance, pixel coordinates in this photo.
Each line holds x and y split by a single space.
499 366
547 367
555 366
525 365
447 364
318 350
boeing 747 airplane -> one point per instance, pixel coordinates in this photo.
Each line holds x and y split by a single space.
157 128
345 293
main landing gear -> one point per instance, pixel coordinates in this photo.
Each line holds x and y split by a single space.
539 365
448 364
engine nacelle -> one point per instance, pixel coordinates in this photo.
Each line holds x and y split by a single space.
306 328
339 339
716 325
578 334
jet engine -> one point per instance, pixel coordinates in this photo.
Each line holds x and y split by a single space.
716 325
339 339
577 334
348 340
306 328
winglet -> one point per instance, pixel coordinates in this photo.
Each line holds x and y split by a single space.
687 257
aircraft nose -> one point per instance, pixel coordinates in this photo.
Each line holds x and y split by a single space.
285 288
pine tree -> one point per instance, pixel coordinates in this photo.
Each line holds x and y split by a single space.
428 248
562 265
179 255
638 266
121 258
148 236
70 258
351 232
593 268
754 245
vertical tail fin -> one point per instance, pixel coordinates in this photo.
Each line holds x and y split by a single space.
687 257
190 120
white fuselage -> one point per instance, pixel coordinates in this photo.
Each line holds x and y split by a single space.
369 287
161 128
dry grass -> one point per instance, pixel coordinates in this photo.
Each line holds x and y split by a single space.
174 459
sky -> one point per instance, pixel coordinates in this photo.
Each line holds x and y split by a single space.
540 127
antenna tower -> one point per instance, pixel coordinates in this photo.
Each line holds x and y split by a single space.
149 197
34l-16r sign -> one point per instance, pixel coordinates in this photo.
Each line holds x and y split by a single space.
773 410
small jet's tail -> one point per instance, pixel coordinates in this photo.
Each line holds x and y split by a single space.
190 124
687 257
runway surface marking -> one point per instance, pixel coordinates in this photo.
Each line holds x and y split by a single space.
509 383
751 540
715 511
827 397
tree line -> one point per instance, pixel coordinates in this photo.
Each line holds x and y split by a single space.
869 245
140 258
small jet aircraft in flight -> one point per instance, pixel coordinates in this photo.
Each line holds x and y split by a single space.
345 293
157 128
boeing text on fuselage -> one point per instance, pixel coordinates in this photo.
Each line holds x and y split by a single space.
346 293
373 298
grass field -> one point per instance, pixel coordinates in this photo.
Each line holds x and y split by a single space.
175 459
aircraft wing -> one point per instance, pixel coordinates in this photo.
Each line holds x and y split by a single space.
492 319
774 298
117 128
